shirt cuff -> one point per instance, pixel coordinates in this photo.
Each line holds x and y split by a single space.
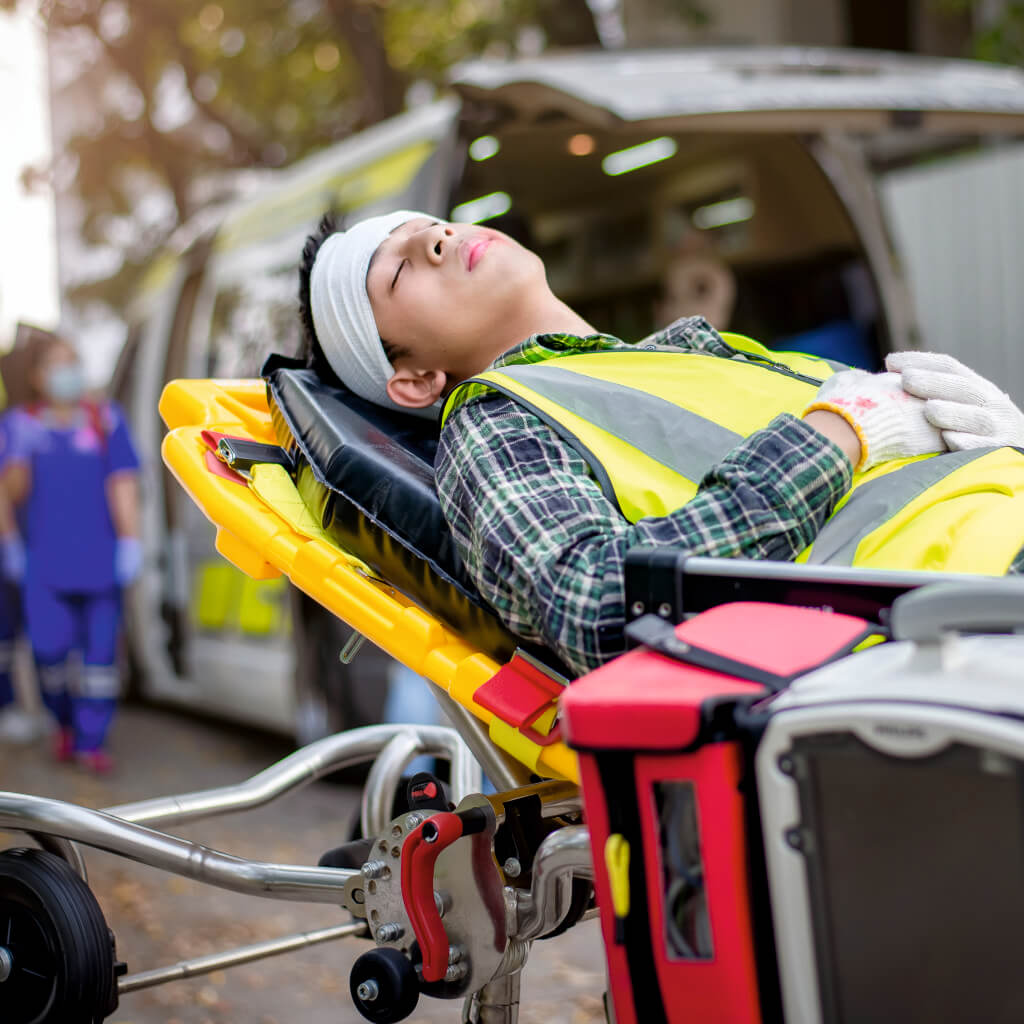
793 458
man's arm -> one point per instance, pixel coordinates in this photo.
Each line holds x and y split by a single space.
546 548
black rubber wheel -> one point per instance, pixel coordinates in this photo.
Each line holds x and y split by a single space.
57 963
397 989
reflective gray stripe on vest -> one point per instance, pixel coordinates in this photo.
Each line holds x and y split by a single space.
677 438
873 503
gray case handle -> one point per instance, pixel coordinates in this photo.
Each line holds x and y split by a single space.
924 614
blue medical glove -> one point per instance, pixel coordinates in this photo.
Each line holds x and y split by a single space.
127 560
12 558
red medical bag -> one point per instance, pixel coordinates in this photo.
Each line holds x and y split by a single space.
678 871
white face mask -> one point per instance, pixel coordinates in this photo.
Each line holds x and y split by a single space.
65 383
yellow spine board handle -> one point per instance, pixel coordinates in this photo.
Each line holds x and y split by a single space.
616 859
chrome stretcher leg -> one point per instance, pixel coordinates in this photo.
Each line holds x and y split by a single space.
243 955
504 771
356 746
66 850
496 1003
34 814
386 775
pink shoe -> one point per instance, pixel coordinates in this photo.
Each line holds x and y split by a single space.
99 762
63 744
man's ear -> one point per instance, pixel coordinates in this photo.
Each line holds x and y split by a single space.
416 389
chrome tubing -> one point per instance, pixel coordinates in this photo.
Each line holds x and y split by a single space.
563 855
386 776
504 771
382 783
312 762
496 1003
243 955
34 814
66 850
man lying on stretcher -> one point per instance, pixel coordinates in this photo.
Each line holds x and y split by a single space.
561 447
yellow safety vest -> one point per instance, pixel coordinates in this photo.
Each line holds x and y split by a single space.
651 424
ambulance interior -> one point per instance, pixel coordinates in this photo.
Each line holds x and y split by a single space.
745 228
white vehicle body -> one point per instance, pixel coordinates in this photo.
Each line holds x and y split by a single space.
791 137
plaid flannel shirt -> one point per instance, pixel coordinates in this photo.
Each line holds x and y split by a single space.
546 548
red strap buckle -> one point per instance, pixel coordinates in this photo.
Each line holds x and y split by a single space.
519 693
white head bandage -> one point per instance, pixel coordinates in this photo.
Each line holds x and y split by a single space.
342 315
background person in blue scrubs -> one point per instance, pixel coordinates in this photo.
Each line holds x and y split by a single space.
72 471
16 723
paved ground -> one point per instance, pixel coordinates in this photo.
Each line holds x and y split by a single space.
160 918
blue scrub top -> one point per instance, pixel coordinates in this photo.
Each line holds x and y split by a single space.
69 535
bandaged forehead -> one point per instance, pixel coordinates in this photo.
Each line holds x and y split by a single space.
342 314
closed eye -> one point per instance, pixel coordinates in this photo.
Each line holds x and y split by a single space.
394 280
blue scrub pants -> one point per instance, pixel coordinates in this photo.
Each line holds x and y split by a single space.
60 624
10 620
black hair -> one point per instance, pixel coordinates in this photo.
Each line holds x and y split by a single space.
311 350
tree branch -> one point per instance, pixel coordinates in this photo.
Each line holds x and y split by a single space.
383 87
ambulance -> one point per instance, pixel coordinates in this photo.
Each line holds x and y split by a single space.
748 184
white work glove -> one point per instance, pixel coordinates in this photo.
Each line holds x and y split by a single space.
970 411
890 423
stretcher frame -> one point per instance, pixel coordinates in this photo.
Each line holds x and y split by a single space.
262 544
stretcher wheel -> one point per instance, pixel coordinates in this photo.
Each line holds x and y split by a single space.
384 985
57 962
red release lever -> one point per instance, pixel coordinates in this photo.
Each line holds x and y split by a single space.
422 846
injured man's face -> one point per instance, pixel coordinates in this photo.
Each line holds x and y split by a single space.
448 299
443 300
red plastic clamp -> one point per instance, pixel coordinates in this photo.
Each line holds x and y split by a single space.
422 846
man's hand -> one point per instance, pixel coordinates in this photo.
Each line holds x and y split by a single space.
889 423
970 411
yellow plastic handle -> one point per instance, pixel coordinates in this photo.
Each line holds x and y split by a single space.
616 858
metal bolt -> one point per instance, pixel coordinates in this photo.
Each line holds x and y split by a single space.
412 820
390 931
358 896
368 990
375 869
439 902
795 838
786 765
664 609
6 964
455 954
512 867
637 608
455 973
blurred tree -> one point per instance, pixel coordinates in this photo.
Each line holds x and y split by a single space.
997 27
153 97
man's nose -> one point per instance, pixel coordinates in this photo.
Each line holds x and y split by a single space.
439 238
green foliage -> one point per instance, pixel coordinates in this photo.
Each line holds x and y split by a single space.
1001 37
159 95
1004 40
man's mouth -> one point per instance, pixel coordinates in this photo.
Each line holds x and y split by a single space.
475 251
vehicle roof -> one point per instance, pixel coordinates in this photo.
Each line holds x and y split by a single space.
653 84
